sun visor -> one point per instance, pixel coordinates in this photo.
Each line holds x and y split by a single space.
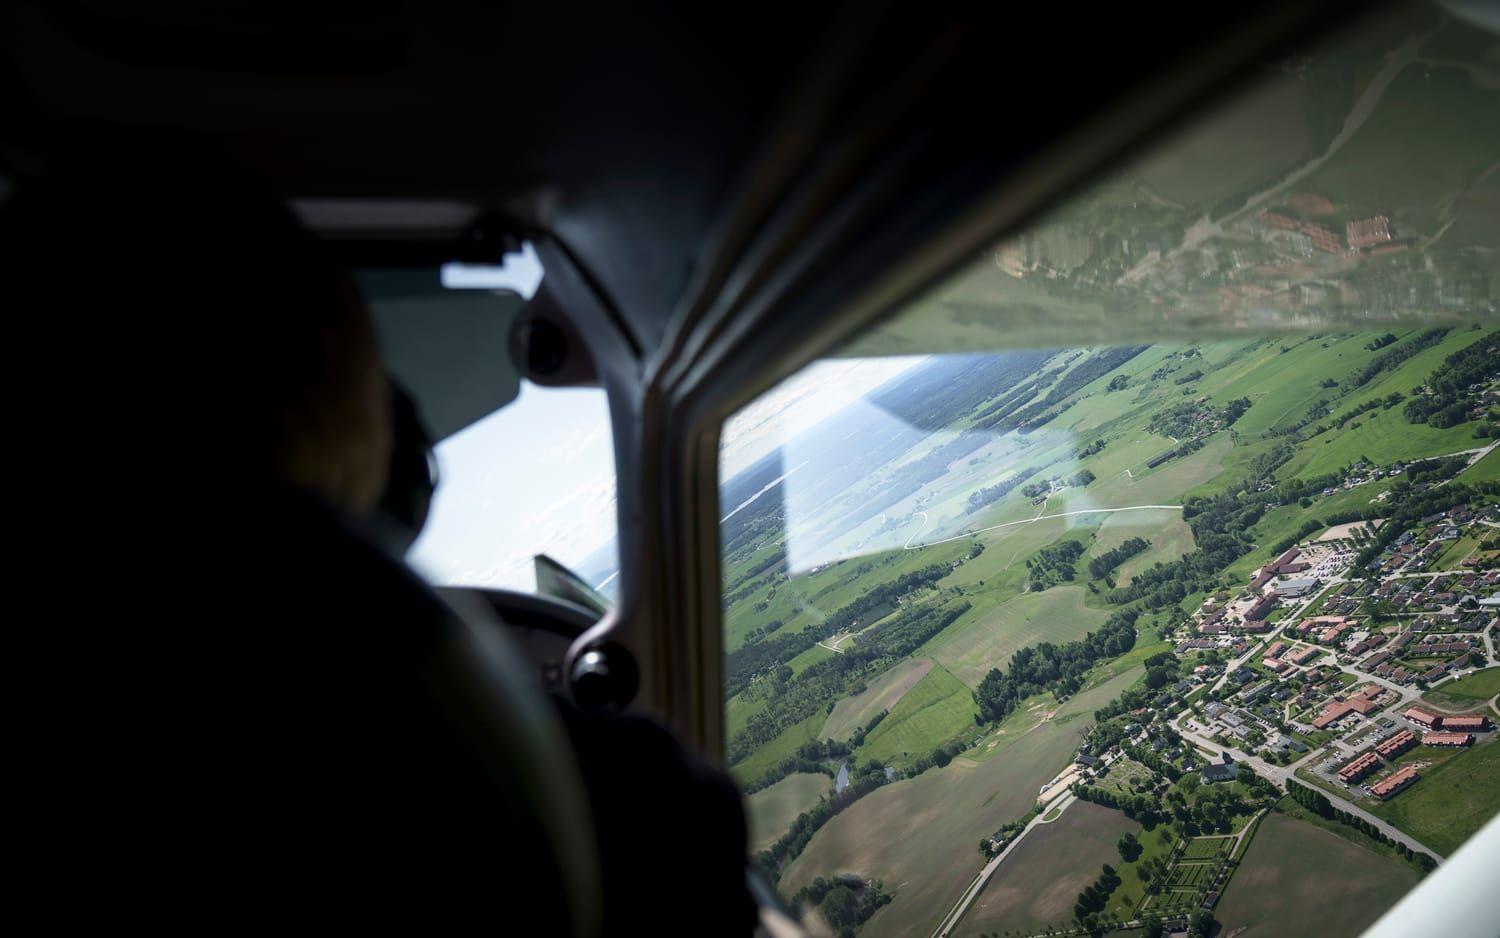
448 348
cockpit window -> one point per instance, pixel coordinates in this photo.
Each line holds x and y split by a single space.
536 477
1146 570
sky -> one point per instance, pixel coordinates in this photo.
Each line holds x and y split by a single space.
538 475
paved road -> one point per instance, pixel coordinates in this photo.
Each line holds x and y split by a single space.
977 886
1279 774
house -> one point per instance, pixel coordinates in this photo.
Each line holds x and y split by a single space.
1261 609
1220 771
1242 676
1395 782
1089 761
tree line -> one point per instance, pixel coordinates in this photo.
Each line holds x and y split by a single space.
1105 563
1048 666
743 664
792 699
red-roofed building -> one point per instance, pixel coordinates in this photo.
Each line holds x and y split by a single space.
1423 718
1278 220
1448 739
1359 768
1469 723
1402 741
1362 702
1395 782
1303 654
1322 237
1368 232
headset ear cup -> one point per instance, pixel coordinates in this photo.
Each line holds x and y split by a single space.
413 470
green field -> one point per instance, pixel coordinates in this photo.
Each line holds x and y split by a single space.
1466 691
771 810
1169 535
918 835
988 635
1486 470
1203 848
766 757
1453 557
883 693
1451 801
809 598
1037 885
1298 880
937 708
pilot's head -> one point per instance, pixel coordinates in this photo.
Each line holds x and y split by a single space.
219 346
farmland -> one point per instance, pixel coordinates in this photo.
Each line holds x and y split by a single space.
771 810
918 834
1037 885
1298 880
936 708
882 694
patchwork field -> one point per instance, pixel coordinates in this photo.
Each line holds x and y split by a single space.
935 709
919 835
1297 880
988 635
1037 885
772 810
882 694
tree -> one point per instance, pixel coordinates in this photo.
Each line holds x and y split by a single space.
1151 927
1201 924
838 907
1130 847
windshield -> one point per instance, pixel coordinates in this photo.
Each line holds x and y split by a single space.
1146 570
535 477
